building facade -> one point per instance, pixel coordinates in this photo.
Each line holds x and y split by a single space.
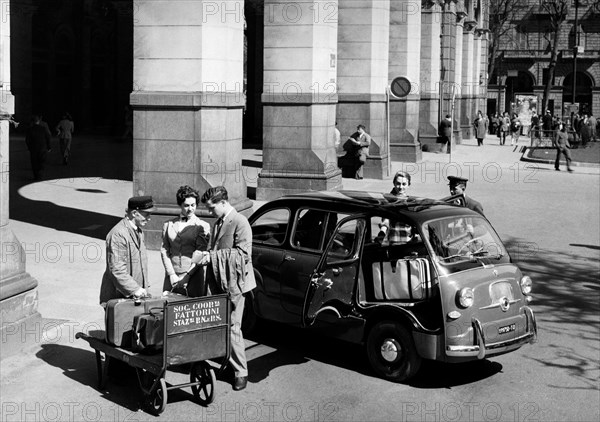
522 65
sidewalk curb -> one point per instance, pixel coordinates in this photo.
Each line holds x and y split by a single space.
525 157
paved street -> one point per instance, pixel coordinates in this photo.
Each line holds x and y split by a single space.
549 220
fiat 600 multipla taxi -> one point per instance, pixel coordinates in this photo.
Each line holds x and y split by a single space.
410 278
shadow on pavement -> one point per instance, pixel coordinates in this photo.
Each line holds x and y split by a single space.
566 299
92 158
80 365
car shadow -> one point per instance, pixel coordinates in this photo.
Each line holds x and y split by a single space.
296 345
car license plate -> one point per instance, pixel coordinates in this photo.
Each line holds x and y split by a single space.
507 329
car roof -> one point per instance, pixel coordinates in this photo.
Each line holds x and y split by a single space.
417 208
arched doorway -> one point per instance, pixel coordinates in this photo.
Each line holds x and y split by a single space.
520 84
583 91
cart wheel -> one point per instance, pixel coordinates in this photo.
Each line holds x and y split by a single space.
158 398
204 375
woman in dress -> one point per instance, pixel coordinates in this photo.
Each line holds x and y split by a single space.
183 240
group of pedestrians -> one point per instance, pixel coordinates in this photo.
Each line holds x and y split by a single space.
39 142
198 259
356 147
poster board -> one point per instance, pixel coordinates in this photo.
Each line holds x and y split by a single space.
526 104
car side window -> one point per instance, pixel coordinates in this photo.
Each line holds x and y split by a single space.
344 242
309 228
271 227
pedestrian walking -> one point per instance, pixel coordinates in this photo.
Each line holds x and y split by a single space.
515 129
37 140
481 127
229 269
504 127
585 131
126 273
561 142
183 240
64 130
445 133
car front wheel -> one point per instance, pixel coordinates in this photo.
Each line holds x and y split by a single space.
391 351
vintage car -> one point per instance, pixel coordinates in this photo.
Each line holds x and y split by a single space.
439 286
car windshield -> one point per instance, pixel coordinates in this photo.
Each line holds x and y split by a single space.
463 242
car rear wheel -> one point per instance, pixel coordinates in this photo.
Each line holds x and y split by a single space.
392 352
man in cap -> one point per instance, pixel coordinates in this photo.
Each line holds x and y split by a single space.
126 273
458 185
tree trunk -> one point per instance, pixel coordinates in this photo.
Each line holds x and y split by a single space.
551 69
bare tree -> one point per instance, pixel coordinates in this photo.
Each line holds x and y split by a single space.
502 14
557 14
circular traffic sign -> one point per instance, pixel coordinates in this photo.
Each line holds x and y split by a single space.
400 87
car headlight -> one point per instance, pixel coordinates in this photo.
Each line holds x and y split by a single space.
465 297
526 285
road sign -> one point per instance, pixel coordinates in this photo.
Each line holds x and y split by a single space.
400 87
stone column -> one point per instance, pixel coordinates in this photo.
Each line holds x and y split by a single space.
299 98
405 53
458 80
449 86
363 42
187 124
467 92
18 290
480 76
20 31
429 111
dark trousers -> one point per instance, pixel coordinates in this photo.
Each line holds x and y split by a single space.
38 159
564 151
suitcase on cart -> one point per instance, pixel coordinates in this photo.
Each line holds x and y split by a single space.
121 312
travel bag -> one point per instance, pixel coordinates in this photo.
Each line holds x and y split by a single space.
120 313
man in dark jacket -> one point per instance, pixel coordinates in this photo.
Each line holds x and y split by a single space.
38 142
445 132
457 186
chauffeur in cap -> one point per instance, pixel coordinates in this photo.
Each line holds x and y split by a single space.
458 185
126 273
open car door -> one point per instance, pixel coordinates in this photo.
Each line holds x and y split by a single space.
332 284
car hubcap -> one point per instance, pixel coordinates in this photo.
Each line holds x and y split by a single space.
390 350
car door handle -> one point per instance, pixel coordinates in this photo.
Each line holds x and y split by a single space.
336 271
289 258
326 283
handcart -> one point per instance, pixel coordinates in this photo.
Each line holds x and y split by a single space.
195 330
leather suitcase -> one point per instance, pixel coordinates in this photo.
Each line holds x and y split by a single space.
402 279
148 331
120 313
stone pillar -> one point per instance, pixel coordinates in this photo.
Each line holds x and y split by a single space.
469 59
404 58
449 86
299 98
21 33
480 76
429 111
363 42
18 290
458 81
187 124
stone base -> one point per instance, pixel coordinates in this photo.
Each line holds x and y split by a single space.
406 153
377 168
273 185
19 321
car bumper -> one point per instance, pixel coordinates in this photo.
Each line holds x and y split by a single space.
483 348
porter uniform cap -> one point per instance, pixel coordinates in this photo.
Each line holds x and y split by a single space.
455 180
141 203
